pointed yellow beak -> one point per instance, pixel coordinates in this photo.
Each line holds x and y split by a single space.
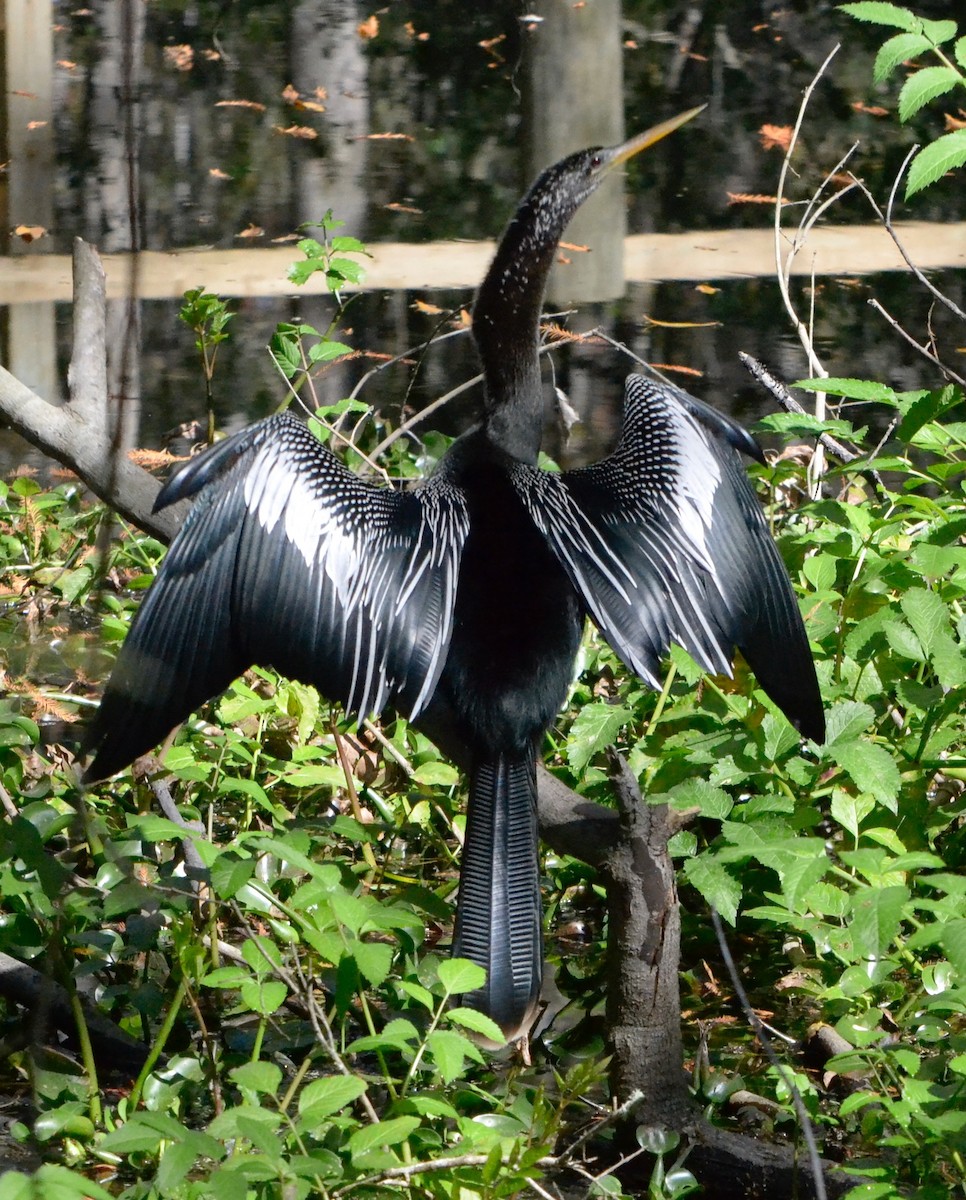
641 141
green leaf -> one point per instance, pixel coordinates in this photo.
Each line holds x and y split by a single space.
902 639
960 51
698 793
176 1161
478 1022
927 615
721 890
449 1051
263 1077
924 86
876 916
395 1035
459 975
877 13
436 774
872 769
852 389
933 161
846 720
896 50
384 1133
50 1182
263 996
374 960
323 1097
594 729
850 811
953 939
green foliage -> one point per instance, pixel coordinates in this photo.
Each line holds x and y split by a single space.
920 36
208 316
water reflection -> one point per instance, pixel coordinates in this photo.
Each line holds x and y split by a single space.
215 144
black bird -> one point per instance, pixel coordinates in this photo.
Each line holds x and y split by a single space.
461 603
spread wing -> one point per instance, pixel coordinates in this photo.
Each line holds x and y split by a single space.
287 559
666 542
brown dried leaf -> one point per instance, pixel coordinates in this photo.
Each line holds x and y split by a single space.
66 64
383 137
751 198
706 289
678 369
252 231
369 28
953 122
577 249
305 132
402 208
680 324
30 233
152 459
432 310
871 110
218 173
290 94
182 57
775 137
36 124
255 104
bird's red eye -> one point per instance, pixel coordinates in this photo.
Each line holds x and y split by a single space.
596 161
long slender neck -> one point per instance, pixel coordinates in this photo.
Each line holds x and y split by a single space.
506 320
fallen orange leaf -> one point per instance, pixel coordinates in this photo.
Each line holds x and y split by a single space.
30 233
252 231
706 289
424 307
255 104
297 131
182 58
369 28
775 137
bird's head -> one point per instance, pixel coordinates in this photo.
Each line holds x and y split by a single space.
562 188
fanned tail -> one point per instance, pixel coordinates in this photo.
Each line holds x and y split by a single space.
499 916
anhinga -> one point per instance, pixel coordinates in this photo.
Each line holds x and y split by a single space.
461 603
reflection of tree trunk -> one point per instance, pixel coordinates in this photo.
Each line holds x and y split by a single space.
31 349
575 99
113 203
327 53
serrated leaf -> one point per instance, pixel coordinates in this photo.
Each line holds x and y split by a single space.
326 351
937 31
876 916
459 975
878 13
953 939
449 1051
927 615
698 793
872 770
478 1022
959 50
594 729
896 50
933 161
846 720
902 639
922 87
323 1097
263 996
374 960
721 890
259 1076
853 389
384 1133
850 811
396 1035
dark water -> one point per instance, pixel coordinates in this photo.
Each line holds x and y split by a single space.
170 135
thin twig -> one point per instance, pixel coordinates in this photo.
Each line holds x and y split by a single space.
923 350
805 1121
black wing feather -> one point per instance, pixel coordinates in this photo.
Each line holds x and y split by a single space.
287 559
666 542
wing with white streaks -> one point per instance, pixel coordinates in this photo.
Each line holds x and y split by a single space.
666 542
287 559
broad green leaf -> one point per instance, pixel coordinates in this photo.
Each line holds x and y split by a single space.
938 31
878 13
50 1182
459 975
374 960
850 811
477 1022
872 770
927 615
323 1097
698 793
395 1035
721 890
436 774
846 720
263 996
384 1133
960 51
902 639
896 50
449 1050
352 911
852 389
420 994
876 916
954 944
922 87
820 571
798 876
175 1163
260 1076
933 161
594 729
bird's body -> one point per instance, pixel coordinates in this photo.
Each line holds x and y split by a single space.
461 603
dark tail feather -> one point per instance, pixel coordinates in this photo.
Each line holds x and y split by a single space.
499 916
